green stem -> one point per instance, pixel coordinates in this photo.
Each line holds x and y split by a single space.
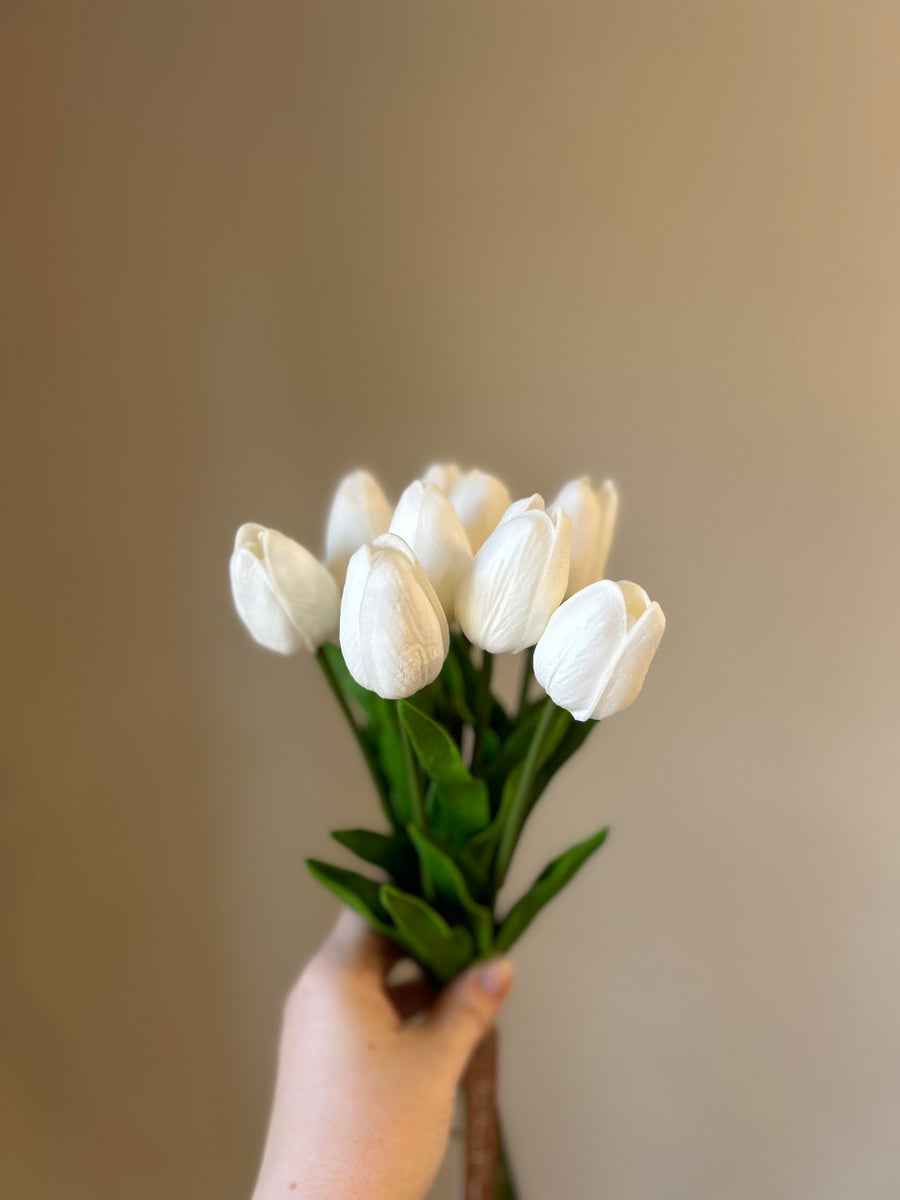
527 670
371 761
417 803
412 773
519 808
483 704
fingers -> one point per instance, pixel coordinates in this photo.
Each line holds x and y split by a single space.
465 1011
354 944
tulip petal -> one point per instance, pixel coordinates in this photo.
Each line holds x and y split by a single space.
533 503
394 634
580 647
305 587
516 581
258 605
392 541
636 600
480 501
359 513
444 475
608 497
579 501
627 679
400 635
593 514
247 537
426 520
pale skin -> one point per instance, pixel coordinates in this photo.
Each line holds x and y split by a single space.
364 1096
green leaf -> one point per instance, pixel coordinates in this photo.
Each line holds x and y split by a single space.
450 884
481 848
358 892
392 852
552 879
576 734
491 747
435 749
441 950
458 804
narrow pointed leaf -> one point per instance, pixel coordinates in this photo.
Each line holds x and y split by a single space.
435 749
451 886
574 735
441 950
457 805
392 852
552 880
358 892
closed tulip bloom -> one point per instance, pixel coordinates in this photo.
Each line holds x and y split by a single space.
480 501
443 475
427 522
394 634
517 578
285 596
593 514
595 652
359 513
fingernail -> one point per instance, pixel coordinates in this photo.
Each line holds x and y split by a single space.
494 977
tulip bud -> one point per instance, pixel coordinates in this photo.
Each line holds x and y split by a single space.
480 501
517 578
427 522
359 513
285 596
443 475
394 634
595 652
593 514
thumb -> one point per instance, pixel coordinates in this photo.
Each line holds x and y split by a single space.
465 1011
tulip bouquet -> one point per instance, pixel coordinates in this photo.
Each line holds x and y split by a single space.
422 597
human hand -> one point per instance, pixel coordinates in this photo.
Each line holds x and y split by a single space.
364 1100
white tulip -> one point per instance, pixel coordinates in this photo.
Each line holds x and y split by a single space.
286 597
480 501
593 513
359 513
596 650
517 578
427 522
444 475
394 634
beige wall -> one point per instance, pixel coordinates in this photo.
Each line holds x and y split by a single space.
248 247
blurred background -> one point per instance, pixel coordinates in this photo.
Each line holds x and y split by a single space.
247 248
